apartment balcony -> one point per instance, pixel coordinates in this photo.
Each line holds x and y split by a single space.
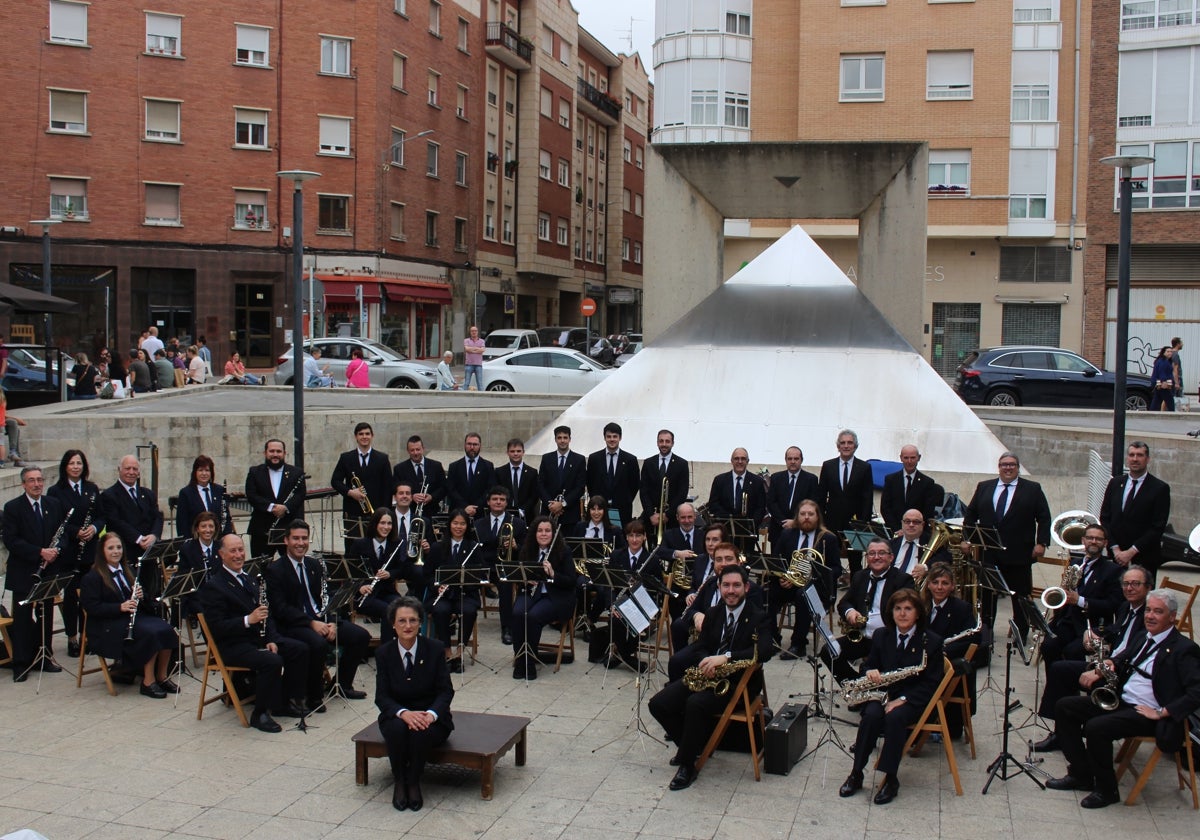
506 46
597 104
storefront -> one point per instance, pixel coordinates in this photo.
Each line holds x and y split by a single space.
411 317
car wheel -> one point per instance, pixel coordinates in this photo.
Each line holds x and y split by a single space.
500 386
1003 397
406 384
288 381
1136 401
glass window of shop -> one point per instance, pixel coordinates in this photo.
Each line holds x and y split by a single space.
90 286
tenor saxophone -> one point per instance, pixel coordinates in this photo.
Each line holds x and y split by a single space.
863 690
695 680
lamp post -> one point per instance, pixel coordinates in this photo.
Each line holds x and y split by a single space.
47 288
387 156
298 177
1125 165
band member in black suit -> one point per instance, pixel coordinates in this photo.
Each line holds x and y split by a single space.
1158 686
418 471
294 587
634 558
385 557
521 481
74 491
681 545
242 627
413 692
951 616
675 470
738 493
133 512
733 631
613 473
1127 632
846 490
30 523
109 596
275 491
903 643
690 624
598 526
199 552
786 489
1092 604
547 601
864 606
810 532
457 550
703 566
404 515
563 479
908 488
202 493
469 478
363 476
1136 509
489 530
909 546
1018 510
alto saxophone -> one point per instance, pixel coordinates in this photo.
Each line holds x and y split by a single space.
864 690
695 680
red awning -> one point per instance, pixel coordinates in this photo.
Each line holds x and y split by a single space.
414 292
341 290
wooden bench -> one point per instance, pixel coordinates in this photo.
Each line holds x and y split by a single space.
478 741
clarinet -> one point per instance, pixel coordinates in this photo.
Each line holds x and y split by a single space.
262 602
225 520
287 500
56 544
382 568
87 519
137 573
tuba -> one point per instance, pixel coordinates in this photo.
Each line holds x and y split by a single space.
365 502
939 538
1066 531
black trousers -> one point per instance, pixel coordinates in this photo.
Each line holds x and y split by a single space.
31 629
1020 580
376 606
281 676
689 717
530 616
408 749
1062 680
352 639
780 596
841 667
893 726
455 602
1086 734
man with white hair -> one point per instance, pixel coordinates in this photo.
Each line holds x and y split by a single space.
445 376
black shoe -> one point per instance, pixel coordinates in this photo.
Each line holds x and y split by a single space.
168 686
1096 799
456 665
263 722
153 690
1047 744
73 649
20 671
415 800
887 792
676 759
505 636
353 693
684 776
852 785
316 707
793 653
526 671
49 666
399 797
1069 782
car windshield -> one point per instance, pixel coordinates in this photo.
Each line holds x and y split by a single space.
500 340
384 351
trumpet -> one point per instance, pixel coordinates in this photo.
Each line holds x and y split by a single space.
416 537
365 501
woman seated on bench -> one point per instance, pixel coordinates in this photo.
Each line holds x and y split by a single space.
413 692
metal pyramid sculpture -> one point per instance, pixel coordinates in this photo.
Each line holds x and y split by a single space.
787 352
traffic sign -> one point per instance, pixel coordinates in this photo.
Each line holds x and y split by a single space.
587 307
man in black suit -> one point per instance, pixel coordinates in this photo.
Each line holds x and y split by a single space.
520 480
294 593
707 596
787 489
133 512
734 630
908 546
1135 511
683 543
738 490
563 479
247 636
1158 688
488 529
1018 510
419 470
675 470
275 491
613 473
373 470
862 607
908 488
1091 604
30 522
404 516
846 490
469 478
953 621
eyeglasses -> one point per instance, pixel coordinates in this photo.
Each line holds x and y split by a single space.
1131 584
913 521
879 554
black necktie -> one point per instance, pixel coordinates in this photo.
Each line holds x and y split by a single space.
37 511
595 532
133 494
516 479
903 642
908 555
727 635
1002 503
308 599
208 553
496 526
633 561
737 494
77 490
662 467
612 468
207 500
470 471
908 488
806 538
420 476
381 555
364 461
245 582
454 552
408 665
791 490
562 465
845 474
874 585
1132 492
1146 652
120 580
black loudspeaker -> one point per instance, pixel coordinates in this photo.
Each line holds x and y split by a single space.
786 739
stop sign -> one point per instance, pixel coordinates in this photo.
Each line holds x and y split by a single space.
587 307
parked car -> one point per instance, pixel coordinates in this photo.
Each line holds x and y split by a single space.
577 337
25 381
502 342
1045 376
631 350
602 350
389 368
544 370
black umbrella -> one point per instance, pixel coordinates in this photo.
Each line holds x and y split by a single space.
19 299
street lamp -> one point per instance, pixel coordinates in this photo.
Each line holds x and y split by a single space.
1125 165
298 177
47 288
387 156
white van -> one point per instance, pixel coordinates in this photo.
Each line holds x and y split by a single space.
502 342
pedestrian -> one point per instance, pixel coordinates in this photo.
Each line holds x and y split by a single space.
446 380
473 359
357 372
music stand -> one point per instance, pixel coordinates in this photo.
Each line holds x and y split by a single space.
354 529
587 548
522 575
858 535
275 534
177 587
1000 766
743 533
43 591
991 580
338 601
766 565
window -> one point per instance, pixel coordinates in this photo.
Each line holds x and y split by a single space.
335 56
489 220
637 156
68 111
564 173
399 66
401 7
250 128
431 219
460 234
1035 264
1172 181
510 92
397 147
68 22
460 168
163 33
627 150
955 334
704 107
1032 15
464 36
737 110
948 75
1150 14
637 252
493 84
544 226
562 231
250 209
435 83
564 113
435 17
547 103
862 78
68 198
493 159
637 204
162 120
736 24
333 213
507 223
1030 103
510 162
949 172
253 45
431 159
626 200
544 164
397 222
625 248
1027 207
335 136
600 248
547 40
162 204
564 53
1031 323
578 242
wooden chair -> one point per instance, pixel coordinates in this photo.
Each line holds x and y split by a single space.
933 719
1130 747
5 623
102 668
740 709
1184 619
958 693
565 643
214 664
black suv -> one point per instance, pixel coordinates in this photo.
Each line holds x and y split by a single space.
1047 376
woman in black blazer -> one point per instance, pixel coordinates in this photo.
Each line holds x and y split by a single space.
109 603
191 501
73 472
413 692
380 540
597 520
199 552
456 549
550 600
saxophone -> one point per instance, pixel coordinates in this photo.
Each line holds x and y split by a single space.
864 690
695 680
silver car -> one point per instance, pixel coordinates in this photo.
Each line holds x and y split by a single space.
389 368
